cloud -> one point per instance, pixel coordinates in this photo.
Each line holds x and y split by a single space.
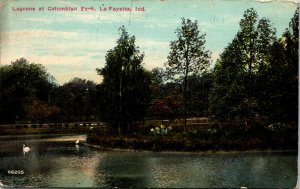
88 75
62 68
27 36
64 54
70 43
58 43
215 56
156 51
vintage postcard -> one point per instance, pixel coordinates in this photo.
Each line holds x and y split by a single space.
149 93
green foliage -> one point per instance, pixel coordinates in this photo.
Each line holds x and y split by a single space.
278 83
20 81
77 100
226 99
169 104
239 72
187 56
125 84
158 76
288 71
198 95
257 75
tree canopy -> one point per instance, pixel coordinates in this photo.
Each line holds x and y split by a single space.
256 74
187 56
21 82
125 83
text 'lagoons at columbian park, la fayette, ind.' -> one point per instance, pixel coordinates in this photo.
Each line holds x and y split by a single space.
82 8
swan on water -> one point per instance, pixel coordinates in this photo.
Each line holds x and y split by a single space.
77 142
25 149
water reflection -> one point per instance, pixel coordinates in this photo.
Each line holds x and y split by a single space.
214 170
125 169
63 164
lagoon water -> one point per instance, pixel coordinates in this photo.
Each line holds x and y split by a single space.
58 162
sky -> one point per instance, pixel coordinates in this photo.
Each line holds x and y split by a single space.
74 43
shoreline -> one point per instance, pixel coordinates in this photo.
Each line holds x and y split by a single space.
192 152
171 144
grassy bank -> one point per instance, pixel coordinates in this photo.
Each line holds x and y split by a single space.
187 144
210 139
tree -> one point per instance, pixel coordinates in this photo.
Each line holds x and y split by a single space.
20 81
247 36
187 56
289 71
77 100
291 47
200 87
168 103
255 39
278 96
227 93
38 110
157 83
125 84
238 75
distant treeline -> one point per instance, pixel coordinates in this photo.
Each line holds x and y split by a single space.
255 76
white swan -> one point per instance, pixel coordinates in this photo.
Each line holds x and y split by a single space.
77 142
25 149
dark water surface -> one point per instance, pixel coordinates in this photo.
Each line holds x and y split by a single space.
60 163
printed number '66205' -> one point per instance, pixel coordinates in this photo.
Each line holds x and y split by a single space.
15 172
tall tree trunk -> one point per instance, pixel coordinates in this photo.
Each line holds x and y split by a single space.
185 87
120 104
184 102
